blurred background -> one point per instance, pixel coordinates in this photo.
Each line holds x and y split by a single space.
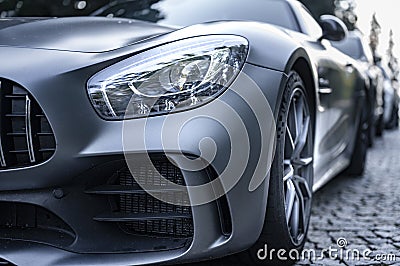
356 14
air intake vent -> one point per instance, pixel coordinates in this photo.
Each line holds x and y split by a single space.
26 222
137 212
26 136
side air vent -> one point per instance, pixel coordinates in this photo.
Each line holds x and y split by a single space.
26 136
26 222
137 212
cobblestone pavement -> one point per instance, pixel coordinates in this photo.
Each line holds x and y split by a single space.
363 210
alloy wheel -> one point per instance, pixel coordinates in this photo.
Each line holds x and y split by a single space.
298 160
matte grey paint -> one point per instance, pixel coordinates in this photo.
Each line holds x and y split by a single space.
57 78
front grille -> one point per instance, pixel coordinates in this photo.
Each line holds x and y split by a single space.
137 212
26 136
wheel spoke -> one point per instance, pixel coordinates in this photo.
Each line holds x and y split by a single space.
289 173
304 193
303 161
295 118
299 109
295 218
302 140
289 199
290 138
301 182
302 215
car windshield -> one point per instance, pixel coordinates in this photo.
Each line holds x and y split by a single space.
351 46
167 12
189 12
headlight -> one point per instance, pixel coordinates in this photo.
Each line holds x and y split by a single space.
173 77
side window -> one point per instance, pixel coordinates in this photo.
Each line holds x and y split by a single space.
310 26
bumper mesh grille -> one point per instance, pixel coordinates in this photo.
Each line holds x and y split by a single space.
178 225
26 136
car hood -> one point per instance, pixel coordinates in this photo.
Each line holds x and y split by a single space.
78 34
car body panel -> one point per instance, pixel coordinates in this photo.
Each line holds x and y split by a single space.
88 147
86 34
72 164
337 109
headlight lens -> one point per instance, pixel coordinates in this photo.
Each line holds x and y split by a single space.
173 77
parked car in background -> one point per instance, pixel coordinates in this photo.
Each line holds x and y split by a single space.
130 9
71 86
394 116
391 96
357 47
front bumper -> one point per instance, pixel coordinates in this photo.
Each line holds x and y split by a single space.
90 149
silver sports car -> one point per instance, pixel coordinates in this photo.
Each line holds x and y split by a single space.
198 135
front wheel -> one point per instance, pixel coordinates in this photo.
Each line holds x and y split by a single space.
290 190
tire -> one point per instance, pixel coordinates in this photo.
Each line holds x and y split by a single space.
359 156
371 132
394 118
290 195
371 125
380 126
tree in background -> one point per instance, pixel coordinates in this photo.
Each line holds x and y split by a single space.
393 62
374 35
345 10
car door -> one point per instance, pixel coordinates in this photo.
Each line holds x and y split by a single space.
343 76
336 116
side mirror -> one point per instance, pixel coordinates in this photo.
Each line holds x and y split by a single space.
333 28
